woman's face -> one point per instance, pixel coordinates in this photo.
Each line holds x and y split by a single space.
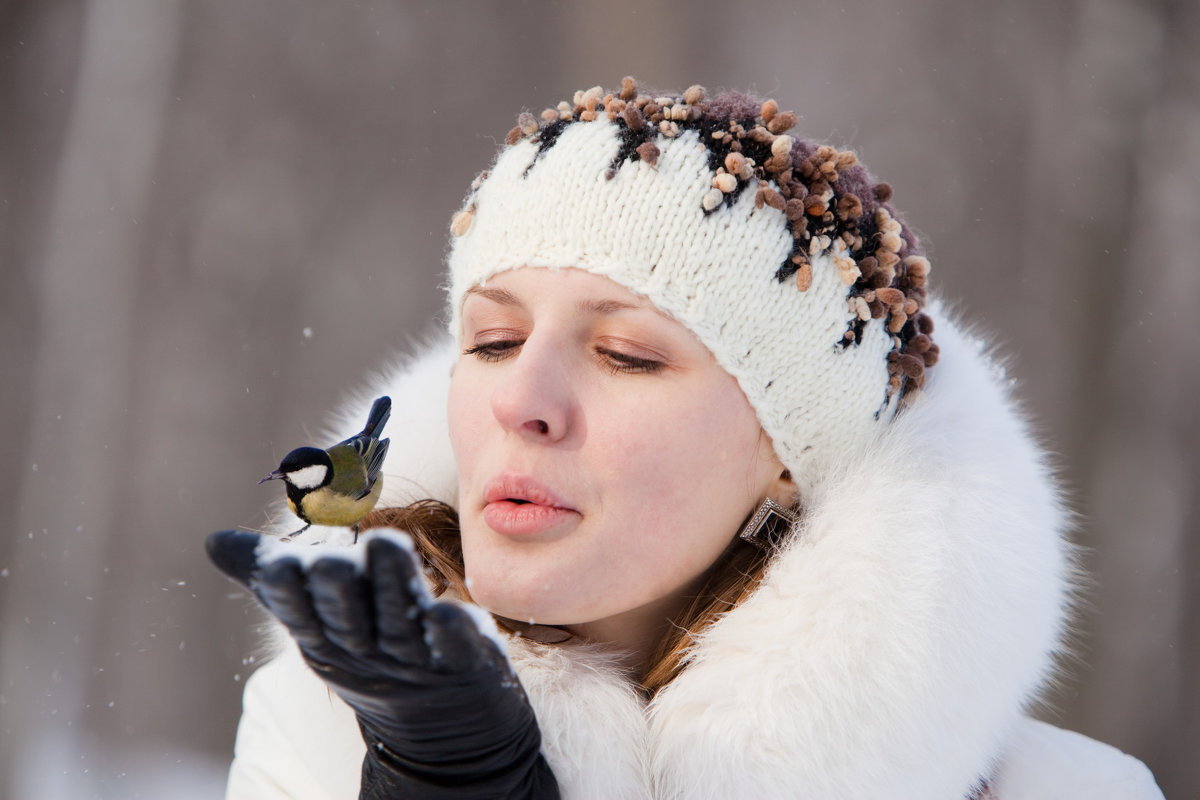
605 459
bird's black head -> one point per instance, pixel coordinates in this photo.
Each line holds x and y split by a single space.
305 468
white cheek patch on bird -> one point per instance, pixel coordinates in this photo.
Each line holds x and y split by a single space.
308 477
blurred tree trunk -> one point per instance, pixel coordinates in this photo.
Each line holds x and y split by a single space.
85 279
1139 428
1111 357
38 70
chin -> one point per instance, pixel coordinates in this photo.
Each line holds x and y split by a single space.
513 585
521 607
530 598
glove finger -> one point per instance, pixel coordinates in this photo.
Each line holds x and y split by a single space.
234 553
455 643
342 600
281 585
398 591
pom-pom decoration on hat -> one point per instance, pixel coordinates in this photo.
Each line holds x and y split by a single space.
782 255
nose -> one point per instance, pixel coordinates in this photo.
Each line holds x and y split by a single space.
534 398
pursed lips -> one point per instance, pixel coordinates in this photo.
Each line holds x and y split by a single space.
520 506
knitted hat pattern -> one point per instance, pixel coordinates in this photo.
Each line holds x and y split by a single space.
783 256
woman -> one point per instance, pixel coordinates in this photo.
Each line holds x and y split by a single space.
751 527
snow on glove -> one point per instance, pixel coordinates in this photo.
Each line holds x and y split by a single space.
440 709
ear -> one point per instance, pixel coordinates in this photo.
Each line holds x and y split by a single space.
783 489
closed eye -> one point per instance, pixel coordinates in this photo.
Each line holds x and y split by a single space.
492 351
615 361
618 362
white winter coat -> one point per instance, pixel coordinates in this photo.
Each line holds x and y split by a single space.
890 653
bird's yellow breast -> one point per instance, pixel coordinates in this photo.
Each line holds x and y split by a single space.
326 507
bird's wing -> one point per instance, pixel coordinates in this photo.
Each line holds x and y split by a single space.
349 467
375 456
356 465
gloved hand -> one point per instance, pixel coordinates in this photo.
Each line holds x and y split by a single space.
440 709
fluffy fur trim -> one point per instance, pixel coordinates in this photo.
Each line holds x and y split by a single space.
897 640
594 729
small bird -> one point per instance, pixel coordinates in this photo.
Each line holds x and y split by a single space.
341 485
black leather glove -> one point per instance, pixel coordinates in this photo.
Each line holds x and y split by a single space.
441 711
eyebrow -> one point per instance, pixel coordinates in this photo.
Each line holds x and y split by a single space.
607 306
502 296
590 305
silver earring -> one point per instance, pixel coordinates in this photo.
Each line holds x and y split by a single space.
769 525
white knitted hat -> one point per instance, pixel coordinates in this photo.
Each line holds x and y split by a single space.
781 256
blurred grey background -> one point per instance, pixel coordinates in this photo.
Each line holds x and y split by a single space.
217 216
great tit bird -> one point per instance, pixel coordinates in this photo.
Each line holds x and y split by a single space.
338 486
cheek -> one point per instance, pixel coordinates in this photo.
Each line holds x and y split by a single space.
465 412
691 459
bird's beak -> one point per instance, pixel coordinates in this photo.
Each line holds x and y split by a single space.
273 476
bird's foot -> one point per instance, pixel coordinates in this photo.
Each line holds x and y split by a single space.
294 534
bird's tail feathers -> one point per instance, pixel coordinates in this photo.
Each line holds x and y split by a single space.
381 410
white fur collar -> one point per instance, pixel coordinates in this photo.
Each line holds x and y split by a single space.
891 650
